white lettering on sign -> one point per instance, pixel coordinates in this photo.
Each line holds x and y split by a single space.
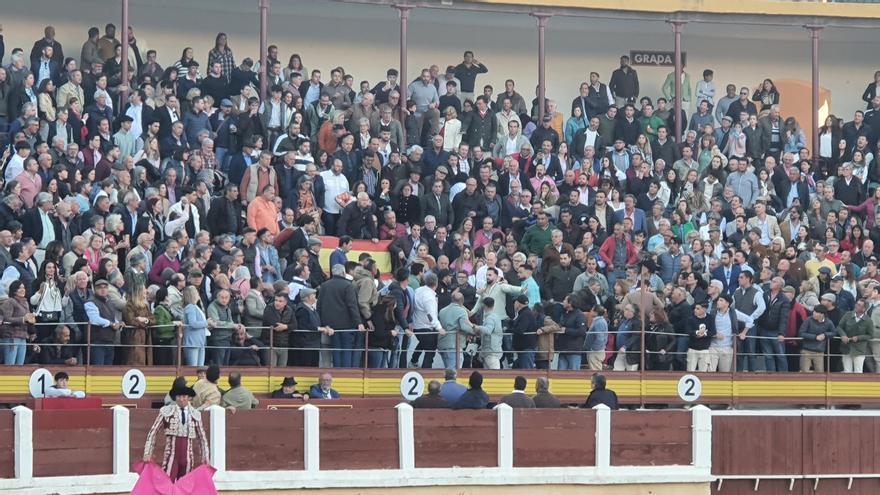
657 59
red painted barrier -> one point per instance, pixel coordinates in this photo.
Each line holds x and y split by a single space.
7 444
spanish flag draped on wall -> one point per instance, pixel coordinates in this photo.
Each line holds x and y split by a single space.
378 251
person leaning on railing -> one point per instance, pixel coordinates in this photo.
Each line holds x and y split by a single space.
816 333
104 325
195 328
60 350
855 330
164 333
16 329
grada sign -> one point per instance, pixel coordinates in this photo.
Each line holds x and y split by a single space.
655 59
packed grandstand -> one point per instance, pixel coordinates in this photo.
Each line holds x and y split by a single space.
176 218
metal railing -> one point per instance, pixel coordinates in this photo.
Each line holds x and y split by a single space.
646 356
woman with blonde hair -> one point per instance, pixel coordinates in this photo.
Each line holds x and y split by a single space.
643 148
136 336
451 130
465 262
195 328
93 251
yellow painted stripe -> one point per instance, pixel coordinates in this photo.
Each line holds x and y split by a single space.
854 389
17 385
771 388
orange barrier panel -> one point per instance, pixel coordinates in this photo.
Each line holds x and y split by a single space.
7 444
73 442
264 440
554 437
651 438
359 439
447 438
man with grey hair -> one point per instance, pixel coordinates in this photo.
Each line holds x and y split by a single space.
40 223
77 249
17 70
6 241
543 398
454 320
743 181
772 325
425 320
143 248
339 310
358 219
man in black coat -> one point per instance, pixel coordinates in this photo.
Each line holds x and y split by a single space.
600 394
848 189
358 219
475 397
523 327
279 321
679 313
433 400
772 324
783 190
436 203
545 133
224 217
307 339
339 310
468 203
401 247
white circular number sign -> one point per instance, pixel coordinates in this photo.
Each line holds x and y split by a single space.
689 388
412 385
134 384
40 380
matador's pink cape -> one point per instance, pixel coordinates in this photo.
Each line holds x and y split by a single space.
154 481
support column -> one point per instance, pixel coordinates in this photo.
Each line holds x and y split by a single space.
121 440
814 39
676 31
217 437
701 437
504 415
403 11
603 437
406 436
123 95
543 19
264 47
24 442
311 437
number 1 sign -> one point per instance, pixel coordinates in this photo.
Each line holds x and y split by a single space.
40 380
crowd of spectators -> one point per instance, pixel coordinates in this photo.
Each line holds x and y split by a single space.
177 217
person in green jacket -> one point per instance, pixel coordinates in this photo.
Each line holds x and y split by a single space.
855 330
668 89
537 236
165 331
649 123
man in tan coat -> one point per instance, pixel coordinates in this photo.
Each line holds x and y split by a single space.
207 391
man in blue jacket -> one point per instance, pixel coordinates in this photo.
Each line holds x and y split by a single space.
323 389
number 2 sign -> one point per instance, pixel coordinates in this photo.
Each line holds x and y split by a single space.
690 388
134 384
412 385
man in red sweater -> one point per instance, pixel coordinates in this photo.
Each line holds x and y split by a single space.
617 252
